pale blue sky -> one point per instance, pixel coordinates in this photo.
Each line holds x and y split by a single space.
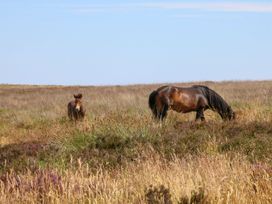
127 42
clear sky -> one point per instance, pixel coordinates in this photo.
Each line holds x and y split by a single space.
126 42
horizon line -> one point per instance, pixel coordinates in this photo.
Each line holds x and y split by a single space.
138 84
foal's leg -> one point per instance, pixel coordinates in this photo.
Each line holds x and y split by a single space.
70 113
200 114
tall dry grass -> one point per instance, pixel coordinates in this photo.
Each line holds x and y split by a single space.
202 179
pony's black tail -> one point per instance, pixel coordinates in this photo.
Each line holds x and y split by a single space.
152 102
217 103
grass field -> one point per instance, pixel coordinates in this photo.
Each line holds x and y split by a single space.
118 154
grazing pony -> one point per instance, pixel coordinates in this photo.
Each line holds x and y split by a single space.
75 108
196 98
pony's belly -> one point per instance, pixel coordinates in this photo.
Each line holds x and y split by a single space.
182 108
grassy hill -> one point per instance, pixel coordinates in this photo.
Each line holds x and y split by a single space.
118 154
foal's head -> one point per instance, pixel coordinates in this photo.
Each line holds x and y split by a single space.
78 102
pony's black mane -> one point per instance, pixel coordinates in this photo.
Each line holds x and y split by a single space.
215 101
198 86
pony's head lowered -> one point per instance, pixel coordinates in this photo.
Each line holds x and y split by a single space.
229 114
226 112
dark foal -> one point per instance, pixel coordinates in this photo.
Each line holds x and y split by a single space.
75 108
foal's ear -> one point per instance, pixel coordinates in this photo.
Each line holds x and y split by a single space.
78 96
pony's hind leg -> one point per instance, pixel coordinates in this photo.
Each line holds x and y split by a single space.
200 115
163 112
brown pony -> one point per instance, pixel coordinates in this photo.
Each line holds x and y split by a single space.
196 98
75 108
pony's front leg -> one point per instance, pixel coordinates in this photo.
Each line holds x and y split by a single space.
200 115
